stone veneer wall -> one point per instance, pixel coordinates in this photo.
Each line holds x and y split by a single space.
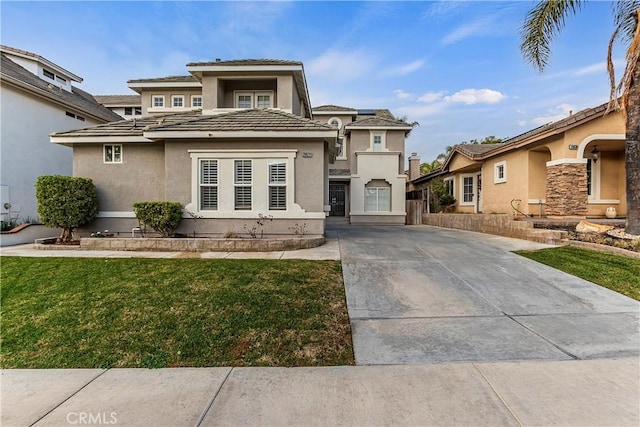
567 190
500 224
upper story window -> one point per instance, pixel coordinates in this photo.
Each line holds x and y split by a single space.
132 111
254 100
112 153
377 141
196 101
335 122
157 101
342 155
500 172
48 74
177 101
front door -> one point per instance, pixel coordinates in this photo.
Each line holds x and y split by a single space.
336 199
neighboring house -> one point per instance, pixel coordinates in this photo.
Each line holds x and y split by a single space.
126 106
249 150
38 98
366 181
574 167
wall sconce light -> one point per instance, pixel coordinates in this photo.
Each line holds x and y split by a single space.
594 153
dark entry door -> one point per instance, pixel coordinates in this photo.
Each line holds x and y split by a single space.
336 199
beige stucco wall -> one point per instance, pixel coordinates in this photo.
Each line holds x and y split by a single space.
497 197
460 163
140 176
360 140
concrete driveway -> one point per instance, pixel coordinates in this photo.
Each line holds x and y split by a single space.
421 294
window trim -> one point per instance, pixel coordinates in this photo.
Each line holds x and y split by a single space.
339 127
276 184
208 185
104 154
462 202
383 140
242 183
254 98
193 98
153 101
386 189
496 175
176 97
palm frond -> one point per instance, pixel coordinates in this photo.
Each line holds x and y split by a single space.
633 56
541 25
624 12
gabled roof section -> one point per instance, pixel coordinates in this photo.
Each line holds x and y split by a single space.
77 100
379 119
246 120
118 100
474 150
167 79
40 59
333 109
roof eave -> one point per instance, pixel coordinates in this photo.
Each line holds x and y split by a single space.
157 135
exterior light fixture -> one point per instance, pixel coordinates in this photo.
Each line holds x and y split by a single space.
594 153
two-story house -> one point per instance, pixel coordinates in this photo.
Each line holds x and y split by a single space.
38 97
235 141
366 180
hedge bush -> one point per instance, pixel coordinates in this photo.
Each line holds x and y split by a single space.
66 202
163 217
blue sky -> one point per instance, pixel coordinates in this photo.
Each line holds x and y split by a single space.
454 67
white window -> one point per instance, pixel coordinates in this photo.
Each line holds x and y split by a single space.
342 155
467 190
208 183
448 185
377 199
157 101
377 141
278 184
500 172
263 101
242 182
335 122
112 153
177 101
132 111
254 99
196 101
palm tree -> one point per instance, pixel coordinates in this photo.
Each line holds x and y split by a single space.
541 25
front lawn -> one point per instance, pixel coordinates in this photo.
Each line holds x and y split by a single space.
90 313
618 273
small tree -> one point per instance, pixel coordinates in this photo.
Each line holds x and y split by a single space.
163 217
440 193
66 202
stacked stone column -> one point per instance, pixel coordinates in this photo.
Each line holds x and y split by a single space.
567 190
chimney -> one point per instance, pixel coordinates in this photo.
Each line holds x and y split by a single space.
414 166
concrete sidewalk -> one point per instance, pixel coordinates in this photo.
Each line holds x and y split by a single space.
575 392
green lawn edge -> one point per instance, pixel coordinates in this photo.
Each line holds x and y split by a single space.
618 273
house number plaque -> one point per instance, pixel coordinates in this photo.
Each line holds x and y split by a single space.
307 155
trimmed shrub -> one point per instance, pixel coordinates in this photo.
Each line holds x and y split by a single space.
66 202
163 217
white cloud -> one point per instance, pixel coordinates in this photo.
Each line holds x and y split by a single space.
344 66
443 9
431 97
480 26
400 94
418 111
476 96
403 70
555 114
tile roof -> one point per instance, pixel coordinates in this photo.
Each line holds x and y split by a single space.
248 62
77 99
132 127
195 121
167 79
380 118
473 150
24 53
118 100
332 108
246 120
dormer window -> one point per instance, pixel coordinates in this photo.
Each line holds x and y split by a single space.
157 101
377 141
196 101
48 74
254 99
335 122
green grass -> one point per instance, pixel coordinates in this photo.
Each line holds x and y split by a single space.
99 313
618 273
